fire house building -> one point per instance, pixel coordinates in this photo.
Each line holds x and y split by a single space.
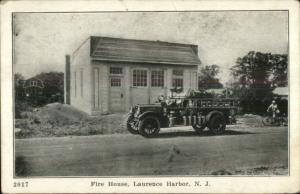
106 75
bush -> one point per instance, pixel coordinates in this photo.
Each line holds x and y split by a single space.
20 107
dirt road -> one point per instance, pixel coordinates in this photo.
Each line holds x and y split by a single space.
179 152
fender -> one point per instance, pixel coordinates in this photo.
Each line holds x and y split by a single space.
213 113
147 113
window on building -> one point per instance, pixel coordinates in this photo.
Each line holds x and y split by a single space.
115 82
177 78
115 70
177 72
178 82
157 78
33 83
139 78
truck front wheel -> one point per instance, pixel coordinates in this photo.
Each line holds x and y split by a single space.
217 124
149 126
198 128
131 124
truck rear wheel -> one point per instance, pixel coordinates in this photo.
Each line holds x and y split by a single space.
217 124
198 128
149 126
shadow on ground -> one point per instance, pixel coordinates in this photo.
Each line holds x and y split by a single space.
22 168
204 134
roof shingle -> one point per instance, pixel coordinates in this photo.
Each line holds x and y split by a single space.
143 51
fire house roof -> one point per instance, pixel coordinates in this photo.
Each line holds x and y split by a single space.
143 51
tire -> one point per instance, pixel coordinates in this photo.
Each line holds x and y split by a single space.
149 126
129 127
199 128
217 124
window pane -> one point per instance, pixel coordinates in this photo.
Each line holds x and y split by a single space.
177 82
139 78
178 72
134 78
115 70
177 78
157 78
115 82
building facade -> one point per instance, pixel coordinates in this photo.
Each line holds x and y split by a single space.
107 75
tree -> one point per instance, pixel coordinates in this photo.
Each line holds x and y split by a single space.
19 97
256 74
207 78
279 70
253 70
18 82
257 70
18 78
53 86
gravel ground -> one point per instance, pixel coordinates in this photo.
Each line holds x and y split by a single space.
257 151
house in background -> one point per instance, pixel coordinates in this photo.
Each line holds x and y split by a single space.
106 75
33 88
53 86
281 92
19 87
42 89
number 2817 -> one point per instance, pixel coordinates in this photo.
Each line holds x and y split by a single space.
20 184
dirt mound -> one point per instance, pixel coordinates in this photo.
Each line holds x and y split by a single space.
59 114
250 120
61 120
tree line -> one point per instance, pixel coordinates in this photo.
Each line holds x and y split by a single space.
41 89
253 76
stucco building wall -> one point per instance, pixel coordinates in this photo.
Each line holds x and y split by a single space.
80 78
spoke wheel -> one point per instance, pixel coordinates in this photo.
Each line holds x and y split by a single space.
131 124
217 124
198 128
149 127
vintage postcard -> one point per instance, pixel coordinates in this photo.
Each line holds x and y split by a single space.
150 97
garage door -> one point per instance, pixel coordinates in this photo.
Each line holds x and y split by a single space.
116 97
147 85
139 87
157 84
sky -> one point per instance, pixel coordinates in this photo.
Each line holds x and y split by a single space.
41 40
